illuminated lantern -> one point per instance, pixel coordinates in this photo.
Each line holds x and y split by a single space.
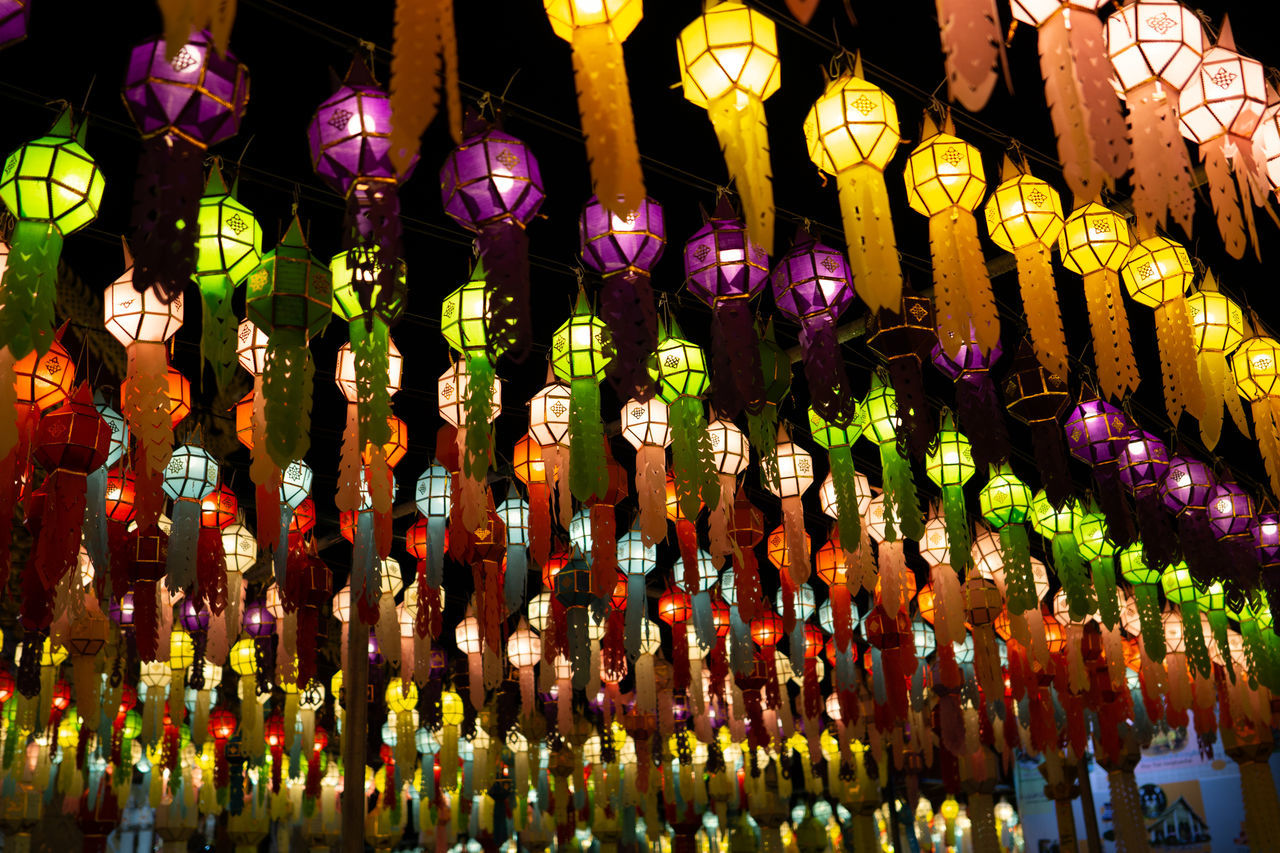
531 470
1057 524
1143 462
728 66
682 380
143 323
458 406
240 552
14 19
596 32
795 476
524 650
852 133
1266 537
647 428
1217 324
812 286
228 247
490 185
573 590
902 507
1219 109
52 187
730 454
905 337
979 409
624 248
1146 583
1094 243
182 100
1024 216
295 485
1099 551
549 426
514 512
579 356
946 182
1181 589
1230 511
1256 367
290 298
950 465
636 559
1006 504
1157 273
219 508
1096 433
1155 48
190 476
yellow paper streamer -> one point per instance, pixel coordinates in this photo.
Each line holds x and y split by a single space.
977 283
950 296
1117 370
740 125
868 231
424 57
1040 304
604 101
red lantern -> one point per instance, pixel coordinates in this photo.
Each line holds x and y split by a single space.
121 495
218 508
766 628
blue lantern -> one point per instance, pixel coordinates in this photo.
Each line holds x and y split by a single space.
190 475
432 497
635 560
514 512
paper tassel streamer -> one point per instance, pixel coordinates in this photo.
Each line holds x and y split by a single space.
514 512
730 453
1185 491
1146 585
1096 433
424 60
762 426
1006 504
795 468
905 338
844 478
946 182
1038 398
1143 464
973 46
852 133
902 507
1217 324
682 379
252 352
579 356
604 98
1155 47
190 476
950 465
728 66
1099 551
1058 526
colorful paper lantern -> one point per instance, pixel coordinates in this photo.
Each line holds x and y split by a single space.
1006 504
950 465
902 507
190 476
1217 324
905 337
795 470
682 380
579 356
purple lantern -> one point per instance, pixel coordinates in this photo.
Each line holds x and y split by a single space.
181 106
624 250
350 141
812 285
1143 462
490 184
14 15
1266 540
726 270
375 651
905 337
1185 490
981 417
194 619
121 611
258 620
1230 511
1096 434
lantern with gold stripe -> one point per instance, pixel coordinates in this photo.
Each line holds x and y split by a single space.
579 356
1006 504
1218 326
838 442
950 465
682 380
901 505
1182 590
1256 367
1057 524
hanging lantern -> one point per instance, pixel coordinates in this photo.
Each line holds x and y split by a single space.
950 465
531 470
728 66
1024 216
730 454
726 269
1181 589
579 356
52 187
549 412
624 249
1099 551
1037 398
1217 324
490 184
596 32
1230 511
1006 504
811 286
646 427
979 409
945 182
1219 108
1157 273
228 247
905 337
1096 433
1143 462
290 297
13 22
902 507
514 512
432 498
843 477
1146 583
456 402
1155 47
682 380
795 470
1185 491
852 133
190 476
1256 367
636 559
1094 243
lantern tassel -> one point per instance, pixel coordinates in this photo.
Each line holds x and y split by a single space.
1146 597
651 489
286 390
1071 572
1106 127
692 465
1197 655
370 349
350 465
166 211
1225 197
478 446
1103 570
1175 337
977 282
1161 167
899 495
218 327
1040 304
504 251
604 102
1066 106
637 603
917 425
627 309
824 368
146 407
419 65
981 416
844 477
184 536
950 296
1218 392
958 537
1051 459
30 288
1113 359
741 128
94 527
868 231
588 473
737 381
949 616
1266 425
973 46
1020 588
514 576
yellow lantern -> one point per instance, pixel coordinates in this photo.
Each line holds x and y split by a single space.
946 182
728 66
451 712
1157 273
1024 216
1256 365
852 133
1094 243
244 662
1217 326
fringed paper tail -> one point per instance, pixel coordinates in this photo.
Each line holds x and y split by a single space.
972 48
1019 582
588 474
651 492
184 535
371 350
868 231
1155 528
218 328
1224 195
977 282
1176 339
1266 425
740 125
604 102
693 467
166 213
1103 570
916 423
30 287
627 309
146 407
1051 459
1071 572
1116 368
1066 106
957 519
1161 167
982 418
950 296
286 392
504 250
900 496
738 381
1111 501
350 465
797 541
424 57
1040 304
1093 72
844 477
824 368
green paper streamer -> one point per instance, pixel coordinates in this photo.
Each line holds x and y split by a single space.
478 408
30 288
588 473
1020 583
843 477
1197 650
762 431
1075 579
1103 570
958 544
286 390
1147 598
371 348
901 506
218 328
692 464
1218 624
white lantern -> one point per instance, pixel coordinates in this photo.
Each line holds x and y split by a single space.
453 390
729 448
345 372
132 316
549 416
1154 40
646 423
1227 94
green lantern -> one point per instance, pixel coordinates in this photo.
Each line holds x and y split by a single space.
1058 526
1098 550
949 464
880 418
682 379
1181 589
1006 505
1254 616
1146 595
1213 601
579 356
465 319
52 187
838 442
229 246
290 297
762 424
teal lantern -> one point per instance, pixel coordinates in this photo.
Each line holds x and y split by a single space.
1098 550
432 497
1181 589
682 380
290 298
949 464
1006 505
838 442
514 513
1146 583
228 247
803 606
579 356
190 476
1058 524
901 506
52 188
635 560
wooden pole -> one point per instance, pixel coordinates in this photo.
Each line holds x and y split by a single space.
1093 839
354 739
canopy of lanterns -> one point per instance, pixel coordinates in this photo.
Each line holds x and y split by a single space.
593 627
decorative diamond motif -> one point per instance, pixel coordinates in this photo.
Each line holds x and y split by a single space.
1146 270
1178 475
448 309
671 361
506 158
184 59
701 252
758 255
559 343
952 156
715 439
1223 77
1262 362
237 224
339 118
830 265
803 466
1037 197
637 412
918 312
10 165
244 334
1077 434
1161 23
53 367
447 391
864 105
558 409
1102 226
